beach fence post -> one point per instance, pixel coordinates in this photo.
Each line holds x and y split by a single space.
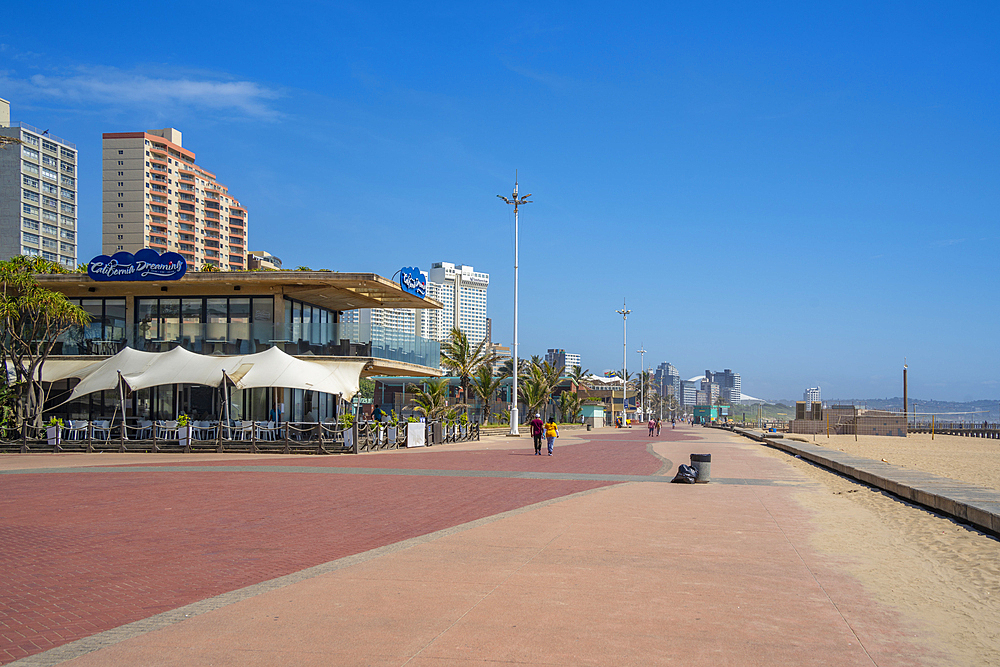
932 427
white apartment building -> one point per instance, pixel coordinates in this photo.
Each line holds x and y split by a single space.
38 193
459 288
462 291
155 196
811 395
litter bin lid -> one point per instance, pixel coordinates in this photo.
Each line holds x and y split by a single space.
702 458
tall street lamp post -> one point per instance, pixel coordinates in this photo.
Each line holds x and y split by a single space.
624 312
642 381
516 202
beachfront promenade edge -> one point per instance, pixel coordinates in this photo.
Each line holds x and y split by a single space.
968 503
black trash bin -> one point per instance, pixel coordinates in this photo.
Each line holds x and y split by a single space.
703 464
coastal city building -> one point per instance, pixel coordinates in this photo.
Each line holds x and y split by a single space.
501 355
462 292
729 385
561 358
262 260
811 395
216 316
155 196
38 192
668 380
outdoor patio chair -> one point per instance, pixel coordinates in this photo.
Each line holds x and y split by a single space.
166 430
102 430
77 429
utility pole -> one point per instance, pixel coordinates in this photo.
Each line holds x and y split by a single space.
624 312
516 202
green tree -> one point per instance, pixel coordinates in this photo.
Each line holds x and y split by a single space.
463 359
569 406
31 320
485 385
431 399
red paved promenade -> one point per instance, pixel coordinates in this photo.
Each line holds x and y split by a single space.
637 573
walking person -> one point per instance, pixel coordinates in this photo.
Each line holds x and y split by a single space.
551 433
657 427
651 425
537 426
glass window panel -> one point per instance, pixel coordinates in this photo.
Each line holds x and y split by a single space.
216 310
191 311
239 310
114 314
95 308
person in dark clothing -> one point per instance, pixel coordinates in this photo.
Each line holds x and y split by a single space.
537 426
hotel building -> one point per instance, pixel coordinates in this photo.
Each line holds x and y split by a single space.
462 292
155 196
38 188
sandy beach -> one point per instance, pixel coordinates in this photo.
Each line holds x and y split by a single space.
972 460
928 566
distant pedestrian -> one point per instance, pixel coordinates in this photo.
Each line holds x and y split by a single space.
657 427
673 423
537 426
651 425
551 433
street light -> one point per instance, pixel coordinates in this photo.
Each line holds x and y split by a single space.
624 313
515 201
642 381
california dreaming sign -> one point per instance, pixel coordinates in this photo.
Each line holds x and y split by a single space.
147 264
412 281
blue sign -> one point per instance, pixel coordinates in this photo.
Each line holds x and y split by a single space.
147 264
412 281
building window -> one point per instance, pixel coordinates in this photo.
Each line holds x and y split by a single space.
121 152
121 205
121 163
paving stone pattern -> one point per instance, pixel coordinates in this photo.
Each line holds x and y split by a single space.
87 552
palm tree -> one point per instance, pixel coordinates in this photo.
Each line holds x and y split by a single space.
463 359
577 374
569 406
432 398
534 392
485 385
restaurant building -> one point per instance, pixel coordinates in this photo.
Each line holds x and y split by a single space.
223 314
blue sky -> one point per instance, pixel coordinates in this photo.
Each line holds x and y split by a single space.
804 194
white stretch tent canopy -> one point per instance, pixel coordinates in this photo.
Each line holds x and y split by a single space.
271 368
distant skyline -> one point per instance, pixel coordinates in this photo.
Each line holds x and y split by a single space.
804 194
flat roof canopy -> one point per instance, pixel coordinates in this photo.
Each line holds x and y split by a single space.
335 291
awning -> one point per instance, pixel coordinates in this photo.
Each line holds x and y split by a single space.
271 368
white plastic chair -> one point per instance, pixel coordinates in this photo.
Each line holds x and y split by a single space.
102 431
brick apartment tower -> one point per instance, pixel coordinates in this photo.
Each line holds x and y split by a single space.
155 196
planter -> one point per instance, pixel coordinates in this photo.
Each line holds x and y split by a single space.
390 434
184 436
415 434
54 434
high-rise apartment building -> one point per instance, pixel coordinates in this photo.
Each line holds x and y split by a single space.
811 395
155 196
462 291
38 192
559 357
668 380
729 385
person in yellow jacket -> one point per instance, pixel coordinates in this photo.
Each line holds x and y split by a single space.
551 433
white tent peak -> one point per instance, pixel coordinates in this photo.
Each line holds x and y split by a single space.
270 368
